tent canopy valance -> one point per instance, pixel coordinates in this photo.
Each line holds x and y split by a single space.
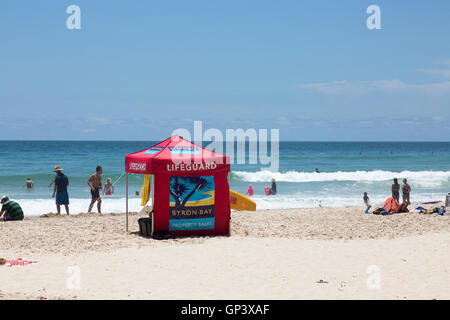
176 155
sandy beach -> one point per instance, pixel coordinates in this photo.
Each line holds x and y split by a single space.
319 253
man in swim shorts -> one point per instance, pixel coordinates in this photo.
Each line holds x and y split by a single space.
10 211
406 190
29 184
95 183
60 190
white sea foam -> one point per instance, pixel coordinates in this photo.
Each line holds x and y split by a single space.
419 178
293 202
37 207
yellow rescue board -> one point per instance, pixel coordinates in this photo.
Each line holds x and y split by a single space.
240 202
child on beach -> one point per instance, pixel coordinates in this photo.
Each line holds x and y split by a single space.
366 201
109 188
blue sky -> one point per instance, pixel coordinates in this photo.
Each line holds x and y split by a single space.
137 70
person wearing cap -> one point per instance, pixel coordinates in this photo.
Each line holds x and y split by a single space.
60 189
11 210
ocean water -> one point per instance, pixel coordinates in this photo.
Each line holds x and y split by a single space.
347 169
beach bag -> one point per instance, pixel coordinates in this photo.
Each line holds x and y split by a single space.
145 227
163 235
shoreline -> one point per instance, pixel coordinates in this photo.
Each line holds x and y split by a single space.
270 254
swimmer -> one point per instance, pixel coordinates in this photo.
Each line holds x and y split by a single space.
109 188
273 190
29 183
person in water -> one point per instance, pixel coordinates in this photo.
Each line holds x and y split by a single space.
95 183
250 190
273 189
406 190
109 188
29 184
61 183
10 211
317 170
396 190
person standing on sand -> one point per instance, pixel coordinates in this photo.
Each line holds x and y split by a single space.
406 189
62 196
396 190
95 183
366 201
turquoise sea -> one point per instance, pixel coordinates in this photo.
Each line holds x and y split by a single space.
346 170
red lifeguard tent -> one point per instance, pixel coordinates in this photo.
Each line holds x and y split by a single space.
191 195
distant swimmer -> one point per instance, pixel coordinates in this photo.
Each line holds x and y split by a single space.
250 190
317 170
29 184
109 188
273 189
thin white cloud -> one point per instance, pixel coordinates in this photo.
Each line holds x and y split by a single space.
385 86
444 62
282 121
439 72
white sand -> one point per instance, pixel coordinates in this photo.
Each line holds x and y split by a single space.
274 254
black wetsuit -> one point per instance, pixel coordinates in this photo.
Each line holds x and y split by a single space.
273 190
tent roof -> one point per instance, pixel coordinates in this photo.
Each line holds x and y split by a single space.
176 156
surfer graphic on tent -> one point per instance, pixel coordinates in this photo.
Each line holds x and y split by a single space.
192 203
180 186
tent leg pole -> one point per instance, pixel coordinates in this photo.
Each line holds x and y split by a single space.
152 185
127 201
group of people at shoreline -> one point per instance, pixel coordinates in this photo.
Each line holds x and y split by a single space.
395 188
11 210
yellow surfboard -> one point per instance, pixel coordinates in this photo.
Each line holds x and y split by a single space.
240 202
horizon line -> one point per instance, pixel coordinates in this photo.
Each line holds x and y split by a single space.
126 140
